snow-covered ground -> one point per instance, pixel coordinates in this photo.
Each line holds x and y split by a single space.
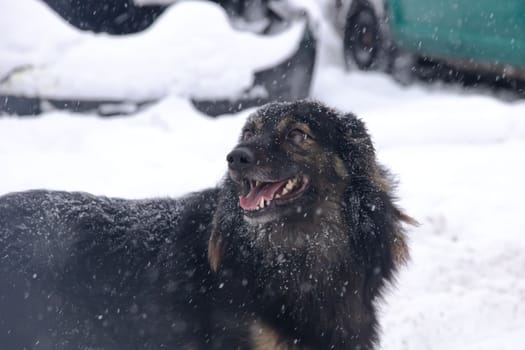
459 156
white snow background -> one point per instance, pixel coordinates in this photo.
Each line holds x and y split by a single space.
178 54
459 156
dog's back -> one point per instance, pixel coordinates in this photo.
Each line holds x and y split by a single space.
79 271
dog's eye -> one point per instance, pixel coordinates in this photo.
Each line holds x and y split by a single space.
247 134
297 136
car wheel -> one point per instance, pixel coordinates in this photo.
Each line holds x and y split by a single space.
363 42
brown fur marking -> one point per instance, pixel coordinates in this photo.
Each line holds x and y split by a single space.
284 123
191 347
340 168
266 338
257 121
400 250
215 250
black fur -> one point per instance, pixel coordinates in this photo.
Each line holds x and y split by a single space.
85 272
78 271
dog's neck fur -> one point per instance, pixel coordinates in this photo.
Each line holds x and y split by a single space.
318 240
294 268
316 236
302 260
305 252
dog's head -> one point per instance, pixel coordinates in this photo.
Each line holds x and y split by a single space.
292 161
305 177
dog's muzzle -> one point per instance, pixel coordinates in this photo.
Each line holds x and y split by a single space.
240 158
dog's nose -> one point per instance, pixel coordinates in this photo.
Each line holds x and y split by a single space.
240 158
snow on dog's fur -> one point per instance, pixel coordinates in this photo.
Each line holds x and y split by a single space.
291 251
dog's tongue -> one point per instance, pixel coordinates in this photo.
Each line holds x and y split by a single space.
266 191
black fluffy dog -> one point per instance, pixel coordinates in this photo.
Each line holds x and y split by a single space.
291 251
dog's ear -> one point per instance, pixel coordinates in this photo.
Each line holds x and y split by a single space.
362 161
215 250
357 151
400 250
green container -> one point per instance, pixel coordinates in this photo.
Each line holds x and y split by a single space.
471 31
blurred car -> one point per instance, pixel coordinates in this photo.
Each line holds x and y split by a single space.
480 36
113 57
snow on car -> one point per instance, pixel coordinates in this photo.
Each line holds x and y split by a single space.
192 50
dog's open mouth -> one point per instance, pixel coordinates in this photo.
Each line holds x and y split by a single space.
264 194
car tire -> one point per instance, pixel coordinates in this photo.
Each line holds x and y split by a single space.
364 44
368 45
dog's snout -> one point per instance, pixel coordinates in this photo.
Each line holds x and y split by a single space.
240 158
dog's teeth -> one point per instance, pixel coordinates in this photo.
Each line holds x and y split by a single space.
277 195
261 203
257 183
285 191
289 185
